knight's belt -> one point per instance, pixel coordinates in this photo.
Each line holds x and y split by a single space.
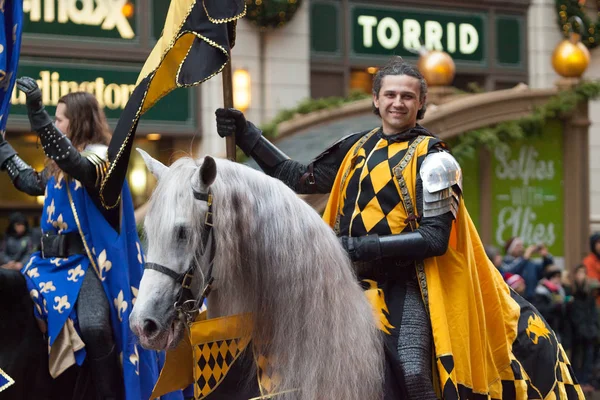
385 269
62 246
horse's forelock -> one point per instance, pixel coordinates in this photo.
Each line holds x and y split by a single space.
173 204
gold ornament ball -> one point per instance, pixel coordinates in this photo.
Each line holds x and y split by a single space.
437 68
570 58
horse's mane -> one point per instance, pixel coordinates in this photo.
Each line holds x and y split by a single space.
276 258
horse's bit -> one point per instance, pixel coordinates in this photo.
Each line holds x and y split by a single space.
186 305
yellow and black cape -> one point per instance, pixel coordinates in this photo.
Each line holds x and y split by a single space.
489 342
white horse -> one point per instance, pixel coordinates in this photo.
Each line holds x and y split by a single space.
274 258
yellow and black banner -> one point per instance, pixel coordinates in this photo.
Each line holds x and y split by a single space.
194 47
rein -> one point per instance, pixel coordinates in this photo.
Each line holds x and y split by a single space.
186 305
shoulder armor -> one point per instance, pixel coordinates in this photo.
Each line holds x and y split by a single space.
100 150
97 154
442 184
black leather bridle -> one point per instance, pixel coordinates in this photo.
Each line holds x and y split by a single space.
186 304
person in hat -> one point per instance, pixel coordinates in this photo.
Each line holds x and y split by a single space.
17 245
592 260
516 283
550 298
518 260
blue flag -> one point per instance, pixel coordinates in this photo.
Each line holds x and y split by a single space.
11 21
5 380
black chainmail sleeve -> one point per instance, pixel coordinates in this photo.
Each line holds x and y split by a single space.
317 176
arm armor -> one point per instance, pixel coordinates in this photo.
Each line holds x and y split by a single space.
442 184
318 176
29 181
88 167
24 177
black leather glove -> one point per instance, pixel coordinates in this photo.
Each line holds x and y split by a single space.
32 92
232 122
38 117
362 248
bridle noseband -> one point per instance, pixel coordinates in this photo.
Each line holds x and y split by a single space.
186 305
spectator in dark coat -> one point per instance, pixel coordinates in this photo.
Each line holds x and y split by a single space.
584 325
17 245
550 299
518 261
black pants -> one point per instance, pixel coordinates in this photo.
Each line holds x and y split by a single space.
93 312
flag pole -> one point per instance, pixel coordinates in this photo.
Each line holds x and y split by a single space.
228 103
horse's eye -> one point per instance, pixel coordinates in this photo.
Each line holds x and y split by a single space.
182 234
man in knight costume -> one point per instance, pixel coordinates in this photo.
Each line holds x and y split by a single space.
396 205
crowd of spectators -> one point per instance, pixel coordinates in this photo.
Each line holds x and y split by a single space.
568 301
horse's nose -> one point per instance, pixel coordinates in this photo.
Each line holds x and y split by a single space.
150 327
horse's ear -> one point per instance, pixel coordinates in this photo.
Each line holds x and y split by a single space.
208 171
156 167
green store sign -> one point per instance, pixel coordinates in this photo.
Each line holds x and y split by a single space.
112 86
381 31
377 31
527 190
109 19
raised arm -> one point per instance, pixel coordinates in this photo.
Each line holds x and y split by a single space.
87 167
315 177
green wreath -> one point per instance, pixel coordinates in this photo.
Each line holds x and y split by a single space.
567 10
270 14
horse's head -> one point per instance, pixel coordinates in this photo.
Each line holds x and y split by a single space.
174 227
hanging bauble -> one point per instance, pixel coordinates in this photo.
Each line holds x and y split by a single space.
437 67
571 58
271 14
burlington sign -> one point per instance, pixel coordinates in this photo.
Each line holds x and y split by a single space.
111 84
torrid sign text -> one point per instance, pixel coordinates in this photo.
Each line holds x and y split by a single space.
386 32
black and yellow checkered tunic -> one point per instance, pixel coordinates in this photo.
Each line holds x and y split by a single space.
372 202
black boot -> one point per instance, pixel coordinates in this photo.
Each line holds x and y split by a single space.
107 376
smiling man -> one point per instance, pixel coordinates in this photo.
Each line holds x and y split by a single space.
395 203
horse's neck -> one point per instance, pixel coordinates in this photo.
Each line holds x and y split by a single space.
218 306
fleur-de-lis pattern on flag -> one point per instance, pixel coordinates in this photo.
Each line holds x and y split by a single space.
58 183
120 305
12 24
47 287
50 211
60 224
61 303
134 293
104 264
33 272
135 359
75 274
56 262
